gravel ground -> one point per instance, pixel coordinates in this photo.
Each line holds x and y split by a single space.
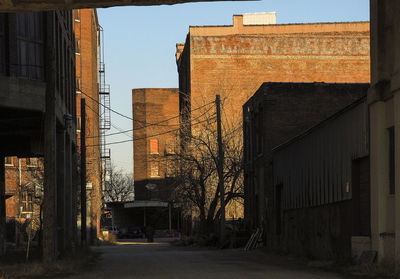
138 259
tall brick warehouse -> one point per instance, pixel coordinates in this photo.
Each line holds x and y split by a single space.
235 60
155 112
86 28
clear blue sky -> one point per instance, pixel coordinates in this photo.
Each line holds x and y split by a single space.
140 44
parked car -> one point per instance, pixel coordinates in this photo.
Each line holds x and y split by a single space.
131 232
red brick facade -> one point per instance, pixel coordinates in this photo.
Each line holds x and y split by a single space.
235 60
86 33
154 144
23 187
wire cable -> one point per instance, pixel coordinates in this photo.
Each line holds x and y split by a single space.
163 133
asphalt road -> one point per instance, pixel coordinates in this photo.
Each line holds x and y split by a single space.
161 260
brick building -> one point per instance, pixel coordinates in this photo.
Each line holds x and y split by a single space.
155 112
235 60
276 113
19 172
87 46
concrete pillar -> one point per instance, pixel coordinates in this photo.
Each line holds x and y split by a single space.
396 116
2 207
69 217
61 177
50 166
379 175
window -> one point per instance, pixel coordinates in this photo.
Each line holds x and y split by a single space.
8 161
78 85
154 169
170 147
31 162
77 15
77 46
78 123
27 202
392 187
30 45
153 146
170 169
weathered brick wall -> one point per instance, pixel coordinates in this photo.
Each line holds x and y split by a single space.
87 71
235 61
150 106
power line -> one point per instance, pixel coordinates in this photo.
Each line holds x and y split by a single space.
143 127
130 118
163 133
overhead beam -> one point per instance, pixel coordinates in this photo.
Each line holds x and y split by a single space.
45 5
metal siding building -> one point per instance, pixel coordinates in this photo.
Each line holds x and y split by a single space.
321 180
314 168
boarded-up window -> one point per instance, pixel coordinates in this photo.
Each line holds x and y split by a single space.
154 146
154 169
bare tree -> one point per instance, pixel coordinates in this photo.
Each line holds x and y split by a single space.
118 186
196 170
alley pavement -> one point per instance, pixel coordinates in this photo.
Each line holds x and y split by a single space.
138 259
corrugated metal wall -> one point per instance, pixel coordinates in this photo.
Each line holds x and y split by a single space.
314 168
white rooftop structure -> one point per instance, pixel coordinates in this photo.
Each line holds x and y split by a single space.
259 18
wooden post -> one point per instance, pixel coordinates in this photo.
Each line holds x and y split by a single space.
2 207
220 169
50 167
83 172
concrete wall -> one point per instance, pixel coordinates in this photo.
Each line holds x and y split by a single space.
384 100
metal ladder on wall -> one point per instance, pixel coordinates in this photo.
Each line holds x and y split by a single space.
104 109
255 240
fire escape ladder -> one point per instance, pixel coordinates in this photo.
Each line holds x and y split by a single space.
104 108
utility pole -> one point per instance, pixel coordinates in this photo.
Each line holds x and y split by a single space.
83 172
220 169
